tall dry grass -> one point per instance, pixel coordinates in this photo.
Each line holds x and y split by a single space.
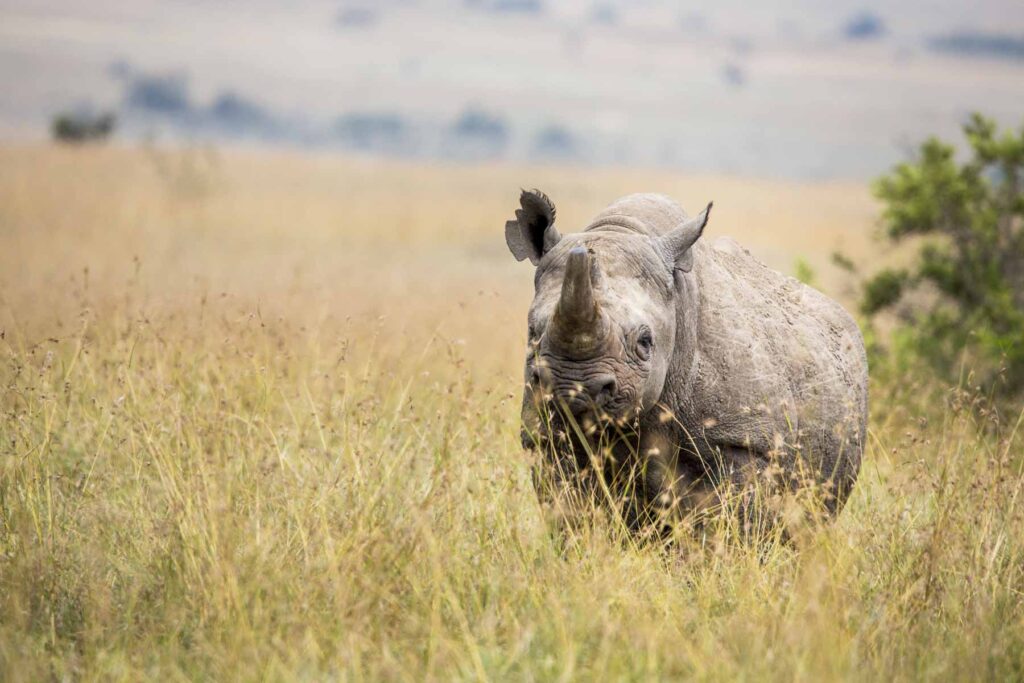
259 420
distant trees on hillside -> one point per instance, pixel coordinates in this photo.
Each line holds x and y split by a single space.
374 131
980 44
477 134
82 126
864 26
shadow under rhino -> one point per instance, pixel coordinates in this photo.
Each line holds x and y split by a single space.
668 378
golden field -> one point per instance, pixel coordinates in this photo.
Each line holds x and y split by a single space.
259 420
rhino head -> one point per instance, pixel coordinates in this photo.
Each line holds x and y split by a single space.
603 322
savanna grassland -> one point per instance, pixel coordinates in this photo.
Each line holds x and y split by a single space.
259 420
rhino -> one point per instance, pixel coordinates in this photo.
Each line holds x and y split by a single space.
678 368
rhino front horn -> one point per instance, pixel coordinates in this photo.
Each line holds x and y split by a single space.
576 326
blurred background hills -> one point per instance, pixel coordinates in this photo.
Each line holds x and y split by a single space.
802 90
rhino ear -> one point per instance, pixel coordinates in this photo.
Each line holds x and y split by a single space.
532 234
675 245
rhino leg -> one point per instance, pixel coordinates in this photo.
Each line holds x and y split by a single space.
674 492
736 482
781 493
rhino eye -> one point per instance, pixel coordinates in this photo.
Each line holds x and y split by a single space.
644 342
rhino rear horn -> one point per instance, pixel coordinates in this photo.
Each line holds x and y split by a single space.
675 245
532 234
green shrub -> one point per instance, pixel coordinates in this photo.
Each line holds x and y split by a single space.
803 272
968 219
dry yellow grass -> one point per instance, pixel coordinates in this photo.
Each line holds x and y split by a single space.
259 420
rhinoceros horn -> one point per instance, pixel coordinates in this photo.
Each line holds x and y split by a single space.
577 324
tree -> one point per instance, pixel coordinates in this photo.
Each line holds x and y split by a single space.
83 127
965 289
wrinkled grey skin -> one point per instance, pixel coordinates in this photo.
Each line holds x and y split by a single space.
716 365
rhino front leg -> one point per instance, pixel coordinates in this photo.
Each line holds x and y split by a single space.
745 490
771 493
676 492
731 483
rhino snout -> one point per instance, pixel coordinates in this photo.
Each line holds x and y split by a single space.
597 391
593 391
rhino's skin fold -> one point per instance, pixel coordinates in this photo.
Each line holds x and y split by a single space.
722 367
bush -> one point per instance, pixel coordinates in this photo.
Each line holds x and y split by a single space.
83 127
964 292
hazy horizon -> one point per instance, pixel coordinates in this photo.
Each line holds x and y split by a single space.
799 91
